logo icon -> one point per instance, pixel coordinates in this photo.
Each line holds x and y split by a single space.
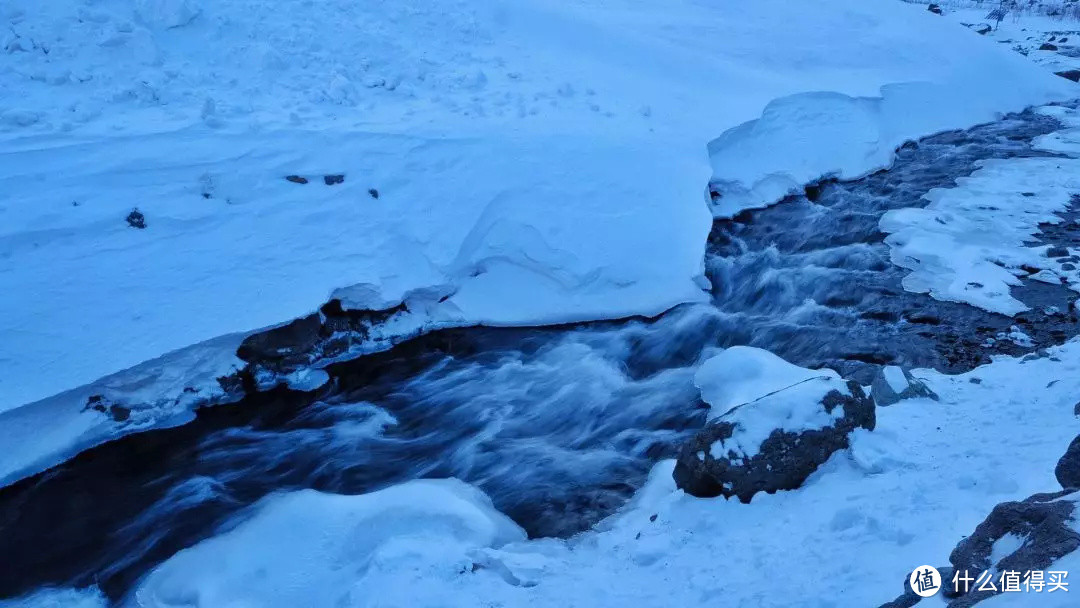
925 581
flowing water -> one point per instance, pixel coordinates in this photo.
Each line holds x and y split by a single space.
559 425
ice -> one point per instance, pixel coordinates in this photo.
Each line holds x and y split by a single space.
970 242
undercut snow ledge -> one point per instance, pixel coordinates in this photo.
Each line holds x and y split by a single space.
805 137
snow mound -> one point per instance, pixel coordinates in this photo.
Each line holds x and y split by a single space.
810 136
759 392
308 548
971 242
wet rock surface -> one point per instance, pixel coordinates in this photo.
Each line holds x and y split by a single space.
783 461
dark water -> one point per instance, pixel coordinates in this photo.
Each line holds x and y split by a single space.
559 426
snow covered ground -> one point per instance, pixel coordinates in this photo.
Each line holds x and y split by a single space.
503 164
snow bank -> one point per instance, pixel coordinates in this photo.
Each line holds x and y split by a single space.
307 548
761 392
506 164
808 136
971 242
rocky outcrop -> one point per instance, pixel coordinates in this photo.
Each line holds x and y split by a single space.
1042 521
713 463
1067 470
893 384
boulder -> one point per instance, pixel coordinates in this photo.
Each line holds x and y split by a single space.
1046 46
933 8
1067 470
893 384
727 457
983 28
1042 531
1073 75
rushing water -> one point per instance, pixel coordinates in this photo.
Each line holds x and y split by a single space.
558 425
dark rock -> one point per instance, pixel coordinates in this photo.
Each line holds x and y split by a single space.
1057 252
1067 470
296 179
1068 266
283 342
784 460
136 219
331 180
884 394
1073 75
1063 40
933 8
99 403
983 28
1046 46
1042 520
373 192
905 600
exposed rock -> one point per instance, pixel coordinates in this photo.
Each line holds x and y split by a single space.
782 462
373 192
893 384
1067 470
331 180
1073 75
1043 521
323 335
983 28
136 219
296 179
933 8
1057 252
1046 46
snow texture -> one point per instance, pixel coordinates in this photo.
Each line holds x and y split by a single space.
759 392
304 548
970 242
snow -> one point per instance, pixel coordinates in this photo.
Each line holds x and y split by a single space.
758 392
902 496
970 242
59 598
895 377
307 548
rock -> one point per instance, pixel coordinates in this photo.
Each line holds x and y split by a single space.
331 180
983 28
1073 75
1067 470
1057 252
782 461
1042 521
136 219
933 8
893 384
373 192
283 342
1068 266
296 179
1046 46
